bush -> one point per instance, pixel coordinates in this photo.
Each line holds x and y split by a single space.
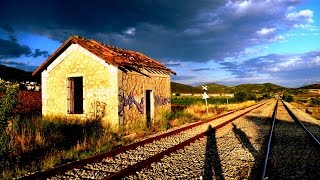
287 98
315 101
266 96
8 101
252 96
244 96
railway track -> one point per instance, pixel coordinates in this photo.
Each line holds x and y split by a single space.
293 150
134 157
234 151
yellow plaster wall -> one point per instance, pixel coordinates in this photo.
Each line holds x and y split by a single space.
100 89
136 84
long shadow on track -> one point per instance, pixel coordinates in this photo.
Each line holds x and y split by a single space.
308 165
244 140
212 163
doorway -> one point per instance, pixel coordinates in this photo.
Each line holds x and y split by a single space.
149 107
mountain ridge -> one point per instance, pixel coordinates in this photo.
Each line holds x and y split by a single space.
14 74
223 89
311 86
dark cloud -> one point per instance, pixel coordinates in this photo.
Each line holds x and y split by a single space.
11 49
202 69
18 65
13 38
172 64
7 28
188 30
178 78
38 53
99 16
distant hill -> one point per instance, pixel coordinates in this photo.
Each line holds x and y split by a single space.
311 86
13 74
219 89
182 88
258 88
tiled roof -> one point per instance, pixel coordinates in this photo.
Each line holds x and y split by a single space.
121 58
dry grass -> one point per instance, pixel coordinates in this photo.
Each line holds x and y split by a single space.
198 112
237 105
314 111
40 144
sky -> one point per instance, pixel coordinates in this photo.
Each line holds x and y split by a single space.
228 42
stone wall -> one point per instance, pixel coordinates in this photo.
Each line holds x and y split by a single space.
133 86
100 91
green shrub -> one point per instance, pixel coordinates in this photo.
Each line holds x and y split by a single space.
266 96
287 98
252 96
315 101
244 96
8 102
165 123
241 96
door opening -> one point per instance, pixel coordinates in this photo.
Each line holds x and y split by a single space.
148 107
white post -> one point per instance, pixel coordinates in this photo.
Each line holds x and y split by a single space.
227 101
207 106
205 97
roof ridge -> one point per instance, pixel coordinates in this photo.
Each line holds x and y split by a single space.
110 54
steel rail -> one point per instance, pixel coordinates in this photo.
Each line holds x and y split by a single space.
142 164
98 158
296 119
274 115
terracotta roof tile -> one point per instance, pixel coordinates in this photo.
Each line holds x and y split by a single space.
113 55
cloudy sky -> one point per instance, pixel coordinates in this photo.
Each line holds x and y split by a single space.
223 41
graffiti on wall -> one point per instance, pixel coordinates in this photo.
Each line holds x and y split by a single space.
159 100
129 101
97 109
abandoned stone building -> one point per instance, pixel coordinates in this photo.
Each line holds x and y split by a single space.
86 79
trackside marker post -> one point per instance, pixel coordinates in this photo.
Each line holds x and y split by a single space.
205 96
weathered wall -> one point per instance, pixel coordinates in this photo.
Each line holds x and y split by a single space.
133 86
100 89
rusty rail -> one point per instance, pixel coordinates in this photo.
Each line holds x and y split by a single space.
97 158
142 164
264 170
295 118
314 139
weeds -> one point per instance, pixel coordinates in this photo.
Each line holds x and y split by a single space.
41 143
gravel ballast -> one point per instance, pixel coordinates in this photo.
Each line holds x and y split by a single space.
232 152
293 154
